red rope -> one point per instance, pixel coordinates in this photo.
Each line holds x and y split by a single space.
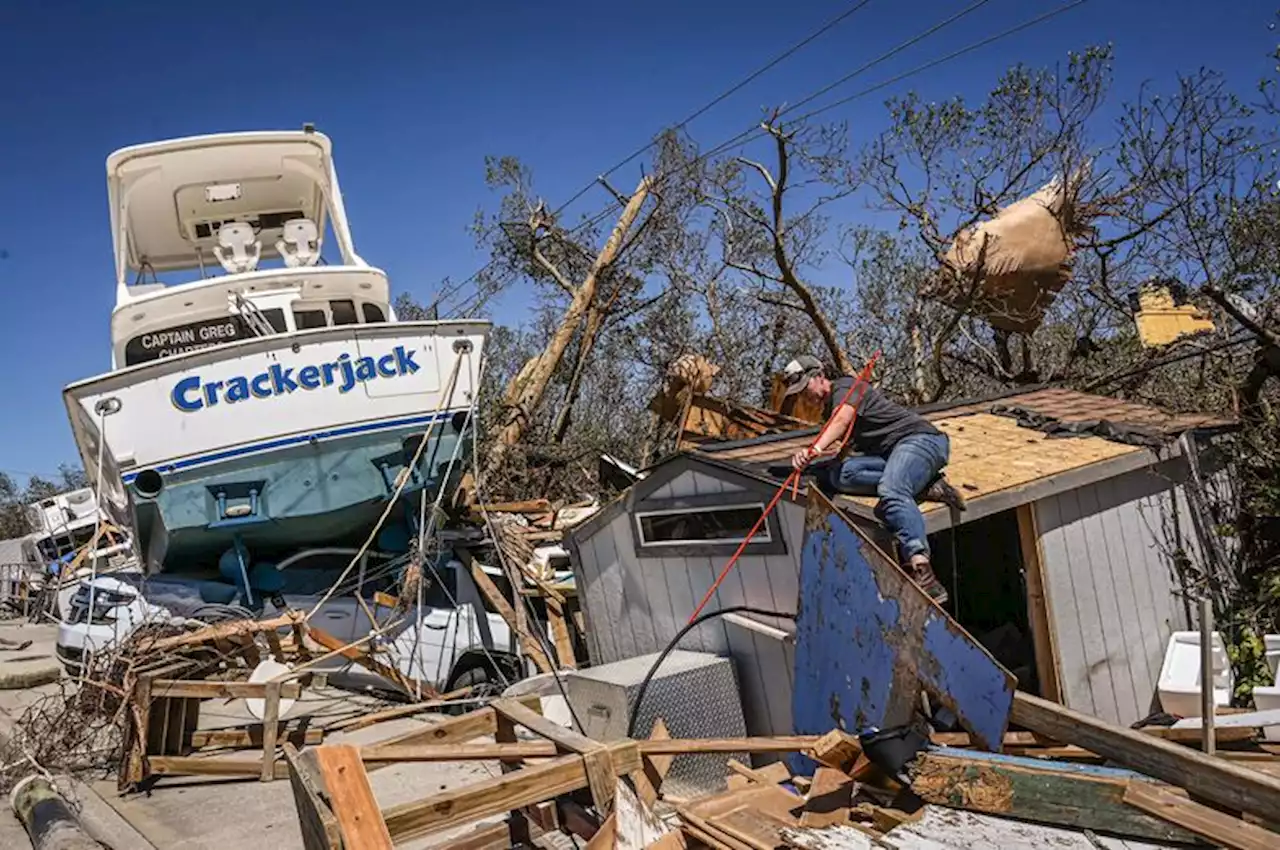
793 480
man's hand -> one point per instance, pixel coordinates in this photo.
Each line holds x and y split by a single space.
801 459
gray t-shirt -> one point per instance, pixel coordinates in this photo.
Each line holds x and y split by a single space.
881 423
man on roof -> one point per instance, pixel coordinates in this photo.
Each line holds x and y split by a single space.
900 456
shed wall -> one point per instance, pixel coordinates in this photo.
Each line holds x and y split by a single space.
1112 588
635 606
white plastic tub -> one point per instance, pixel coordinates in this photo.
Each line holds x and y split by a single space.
1179 685
1267 698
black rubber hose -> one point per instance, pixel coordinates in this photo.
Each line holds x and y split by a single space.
675 641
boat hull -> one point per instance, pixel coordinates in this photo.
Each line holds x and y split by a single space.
282 442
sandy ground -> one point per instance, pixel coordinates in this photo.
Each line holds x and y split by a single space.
202 814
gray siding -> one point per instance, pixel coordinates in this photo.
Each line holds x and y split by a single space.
635 606
1111 585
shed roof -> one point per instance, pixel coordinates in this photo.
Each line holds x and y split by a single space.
995 461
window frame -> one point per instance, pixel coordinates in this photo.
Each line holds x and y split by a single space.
640 516
774 544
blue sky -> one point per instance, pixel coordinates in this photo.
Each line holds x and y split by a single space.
415 98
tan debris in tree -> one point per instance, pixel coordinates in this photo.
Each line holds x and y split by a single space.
1161 321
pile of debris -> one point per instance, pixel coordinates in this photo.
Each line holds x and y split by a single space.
894 788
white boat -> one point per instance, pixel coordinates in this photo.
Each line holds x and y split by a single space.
263 398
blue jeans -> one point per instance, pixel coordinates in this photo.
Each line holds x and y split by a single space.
912 464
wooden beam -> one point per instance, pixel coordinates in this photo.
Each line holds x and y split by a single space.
175 688
250 736
222 631
202 766
839 749
1218 827
1214 780
365 658
1069 795
531 646
396 712
771 775
351 798
320 829
409 748
1039 614
600 775
649 778
457 806
829 798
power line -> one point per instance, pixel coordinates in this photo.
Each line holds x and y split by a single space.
756 132
718 99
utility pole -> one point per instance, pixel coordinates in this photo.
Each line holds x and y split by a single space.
526 392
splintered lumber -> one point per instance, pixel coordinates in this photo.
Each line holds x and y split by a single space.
223 631
180 688
648 780
351 798
1218 827
520 788
320 829
829 798
365 658
1071 795
1214 780
528 642
769 775
397 712
838 749
600 775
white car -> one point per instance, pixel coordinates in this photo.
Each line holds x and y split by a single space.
453 646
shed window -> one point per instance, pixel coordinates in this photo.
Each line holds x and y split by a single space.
722 524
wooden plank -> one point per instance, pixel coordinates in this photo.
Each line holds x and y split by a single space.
453 730
770 775
204 766
1075 796
351 798
528 643
606 835
829 799
320 829
560 634
490 836
503 793
175 688
601 778
1218 827
250 736
1039 612
648 779
270 726
365 658
1211 779
1192 735
396 712
659 751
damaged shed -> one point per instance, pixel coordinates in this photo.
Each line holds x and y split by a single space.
1070 562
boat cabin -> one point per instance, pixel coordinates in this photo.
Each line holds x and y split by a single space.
235 223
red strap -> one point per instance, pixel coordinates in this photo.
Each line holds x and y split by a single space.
793 480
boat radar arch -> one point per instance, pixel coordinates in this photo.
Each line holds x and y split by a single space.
229 199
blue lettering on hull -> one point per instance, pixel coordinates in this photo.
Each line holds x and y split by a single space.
192 394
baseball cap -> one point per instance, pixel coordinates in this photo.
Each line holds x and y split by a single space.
797 373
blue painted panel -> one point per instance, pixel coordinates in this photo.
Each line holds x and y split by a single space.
868 639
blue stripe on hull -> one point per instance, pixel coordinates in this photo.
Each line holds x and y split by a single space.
296 439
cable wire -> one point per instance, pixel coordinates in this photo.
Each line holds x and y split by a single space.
445 294
634 712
